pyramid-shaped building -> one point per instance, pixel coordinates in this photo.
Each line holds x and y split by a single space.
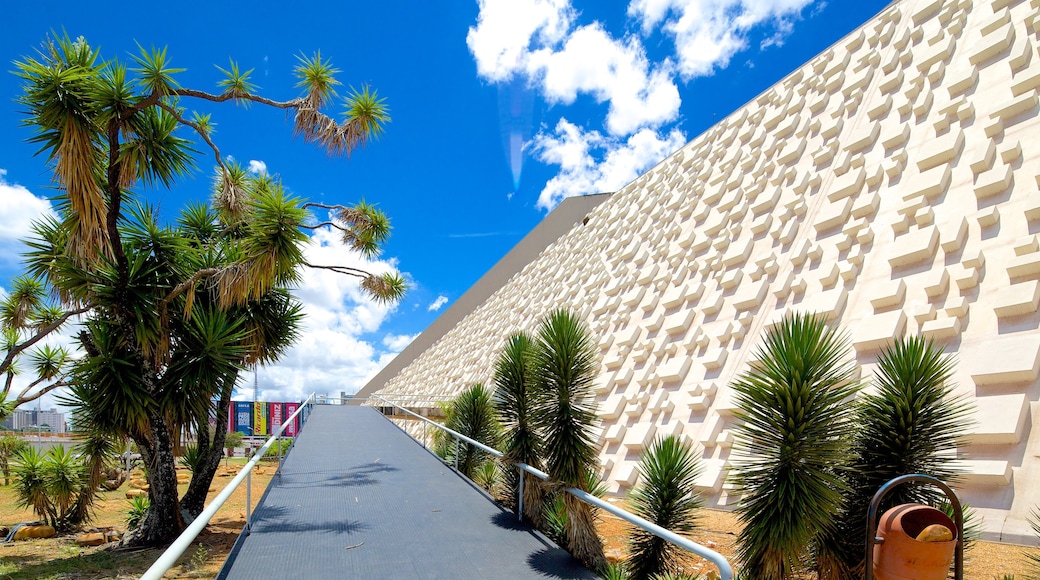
891 183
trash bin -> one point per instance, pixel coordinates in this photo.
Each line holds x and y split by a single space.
900 556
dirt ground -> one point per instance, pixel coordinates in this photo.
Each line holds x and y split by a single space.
60 557
718 531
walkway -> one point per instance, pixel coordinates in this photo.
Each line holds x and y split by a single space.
359 498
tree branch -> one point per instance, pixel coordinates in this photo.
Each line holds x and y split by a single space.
19 348
198 129
291 104
340 270
185 285
22 395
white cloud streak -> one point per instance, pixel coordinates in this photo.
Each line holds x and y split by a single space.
19 207
258 167
438 303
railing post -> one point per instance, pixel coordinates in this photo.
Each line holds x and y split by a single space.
278 469
424 436
520 497
249 503
456 455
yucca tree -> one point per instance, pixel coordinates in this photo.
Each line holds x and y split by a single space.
172 314
514 400
665 496
472 414
911 423
9 446
51 483
794 408
566 367
1034 558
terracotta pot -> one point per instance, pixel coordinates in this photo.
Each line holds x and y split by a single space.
901 556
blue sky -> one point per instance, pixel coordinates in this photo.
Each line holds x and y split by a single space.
500 109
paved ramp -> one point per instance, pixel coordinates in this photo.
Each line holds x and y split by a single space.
359 498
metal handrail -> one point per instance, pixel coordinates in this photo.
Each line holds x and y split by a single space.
169 557
725 570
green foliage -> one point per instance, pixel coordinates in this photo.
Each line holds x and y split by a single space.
284 444
190 457
489 477
912 423
514 401
9 446
566 366
1034 557
471 414
138 509
50 484
232 440
792 404
664 496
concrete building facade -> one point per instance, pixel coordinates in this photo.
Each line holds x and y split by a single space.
891 183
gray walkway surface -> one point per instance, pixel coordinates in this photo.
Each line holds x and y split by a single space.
359 498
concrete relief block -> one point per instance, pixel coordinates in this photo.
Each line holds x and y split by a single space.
914 247
1017 299
940 150
1010 152
1026 245
874 332
833 215
739 252
680 322
926 11
929 184
731 278
993 182
863 137
1024 266
711 476
994 472
612 407
962 82
1026 82
750 295
829 304
865 236
941 329
935 53
714 358
895 136
988 217
991 44
828 275
888 294
1012 358
935 282
924 217
615 433
953 235
1008 111
847 185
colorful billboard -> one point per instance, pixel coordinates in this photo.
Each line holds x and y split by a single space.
294 426
274 416
242 417
260 419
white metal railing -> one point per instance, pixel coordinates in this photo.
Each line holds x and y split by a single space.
169 557
725 570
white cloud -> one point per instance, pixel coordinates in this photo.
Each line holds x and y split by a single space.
438 303
18 208
397 342
337 350
505 29
612 71
707 33
592 163
258 167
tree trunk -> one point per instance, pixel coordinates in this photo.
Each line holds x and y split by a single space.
210 453
163 522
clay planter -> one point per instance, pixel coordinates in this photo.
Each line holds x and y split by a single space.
901 556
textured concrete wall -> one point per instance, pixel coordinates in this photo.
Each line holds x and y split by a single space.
891 183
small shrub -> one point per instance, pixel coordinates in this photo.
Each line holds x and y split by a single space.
9 445
138 509
50 484
489 477
190 458
272 451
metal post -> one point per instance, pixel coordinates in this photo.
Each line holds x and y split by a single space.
424 435
278 442
520 497
456 455
249 502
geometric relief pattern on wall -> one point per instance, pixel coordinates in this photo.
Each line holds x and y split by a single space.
891 183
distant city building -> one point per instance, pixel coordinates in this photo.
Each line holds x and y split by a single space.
30 419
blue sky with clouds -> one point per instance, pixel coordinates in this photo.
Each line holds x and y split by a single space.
500 108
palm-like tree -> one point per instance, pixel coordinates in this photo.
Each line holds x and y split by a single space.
172 313
794 411
566 366
9 445
514 402
910 424
666 497
472 414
